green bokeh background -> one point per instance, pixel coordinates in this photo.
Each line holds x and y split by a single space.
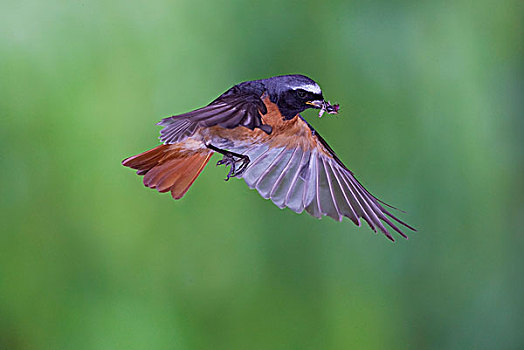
431 121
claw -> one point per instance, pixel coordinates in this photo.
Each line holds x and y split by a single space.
243 166
229 160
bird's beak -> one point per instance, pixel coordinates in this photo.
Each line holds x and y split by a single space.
316 103
324 106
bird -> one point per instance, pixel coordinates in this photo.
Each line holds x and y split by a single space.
257 128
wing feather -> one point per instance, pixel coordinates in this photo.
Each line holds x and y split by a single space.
311 195
334 193
374 221
301 173
345 201
267 180
235 118
257 167
294 195
236 107
324 195
286 172
378 209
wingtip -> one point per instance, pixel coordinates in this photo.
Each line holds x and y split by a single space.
390 206
165 121
390 237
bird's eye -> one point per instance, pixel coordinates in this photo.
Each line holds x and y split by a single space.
301 93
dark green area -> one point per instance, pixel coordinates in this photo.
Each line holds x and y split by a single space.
431 121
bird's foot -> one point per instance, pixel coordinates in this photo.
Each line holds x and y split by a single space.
231 160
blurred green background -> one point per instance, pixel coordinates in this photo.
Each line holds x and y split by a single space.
431 121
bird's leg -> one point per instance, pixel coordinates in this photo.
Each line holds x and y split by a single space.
231 159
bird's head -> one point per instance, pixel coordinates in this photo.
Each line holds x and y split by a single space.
295 93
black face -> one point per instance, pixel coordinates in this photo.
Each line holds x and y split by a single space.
292 102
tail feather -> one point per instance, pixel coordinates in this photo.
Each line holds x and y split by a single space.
169 169
193 167
145 161
167 178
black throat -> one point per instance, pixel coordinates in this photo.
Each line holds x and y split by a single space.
287 105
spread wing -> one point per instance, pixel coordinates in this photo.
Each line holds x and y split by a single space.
300 171
236 107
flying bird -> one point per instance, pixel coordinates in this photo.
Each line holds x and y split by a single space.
257 127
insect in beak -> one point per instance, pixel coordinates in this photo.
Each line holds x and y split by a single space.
324 106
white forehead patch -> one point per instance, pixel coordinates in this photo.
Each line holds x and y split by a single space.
314 88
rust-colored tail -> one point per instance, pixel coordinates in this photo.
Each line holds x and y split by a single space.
167 168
